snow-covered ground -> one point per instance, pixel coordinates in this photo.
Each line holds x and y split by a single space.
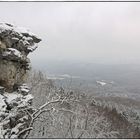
101 83
61 76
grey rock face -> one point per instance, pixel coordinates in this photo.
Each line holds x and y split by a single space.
15 44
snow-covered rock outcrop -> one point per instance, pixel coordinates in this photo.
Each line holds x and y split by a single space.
14 108
15 97
15 44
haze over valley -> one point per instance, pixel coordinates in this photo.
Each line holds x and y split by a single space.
82 79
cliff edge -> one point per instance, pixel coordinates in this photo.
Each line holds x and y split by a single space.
15 99
15 44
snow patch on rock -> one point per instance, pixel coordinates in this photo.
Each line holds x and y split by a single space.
10 106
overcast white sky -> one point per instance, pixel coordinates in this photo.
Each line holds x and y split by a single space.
89 32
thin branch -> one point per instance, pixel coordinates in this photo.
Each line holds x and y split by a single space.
43 106
24 130
28 113
45 110
65 110
71 127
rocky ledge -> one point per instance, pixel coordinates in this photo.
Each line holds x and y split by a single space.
15 44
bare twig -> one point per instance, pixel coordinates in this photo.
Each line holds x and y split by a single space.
45 110
65 110
71 128
24 130
46 104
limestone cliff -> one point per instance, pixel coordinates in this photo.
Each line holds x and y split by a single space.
15 44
